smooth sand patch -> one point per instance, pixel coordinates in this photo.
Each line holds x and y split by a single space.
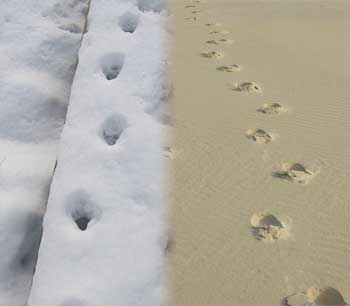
225 187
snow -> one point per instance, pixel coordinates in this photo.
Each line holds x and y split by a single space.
104 229
37 62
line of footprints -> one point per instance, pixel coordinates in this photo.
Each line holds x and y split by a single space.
266 226
294 172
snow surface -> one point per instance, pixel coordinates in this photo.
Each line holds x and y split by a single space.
104 236
38 54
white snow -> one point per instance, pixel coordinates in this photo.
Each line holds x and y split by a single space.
104 234
37 64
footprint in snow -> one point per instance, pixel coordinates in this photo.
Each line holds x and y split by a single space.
112 64
112 128
129 22
82 209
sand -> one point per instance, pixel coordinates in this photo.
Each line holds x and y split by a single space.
260 198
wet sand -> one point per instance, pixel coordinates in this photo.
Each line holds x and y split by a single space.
261 169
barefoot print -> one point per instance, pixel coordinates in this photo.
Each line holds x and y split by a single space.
192 18
222 32
327 296
296 173
247 87
212 54
169 152
259 136
268 228
222 41
229 68
272 108
214 24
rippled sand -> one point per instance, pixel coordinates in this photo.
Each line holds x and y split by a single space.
234 199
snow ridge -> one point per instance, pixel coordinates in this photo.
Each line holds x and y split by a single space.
103 240
37 62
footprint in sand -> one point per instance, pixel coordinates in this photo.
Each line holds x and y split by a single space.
225 41
192 18
296 173
247 87
219 41
212 42
268 228
212 54
229 68
259 136
314 296
213 24
196 12
272 108
169 152
222 32
190 6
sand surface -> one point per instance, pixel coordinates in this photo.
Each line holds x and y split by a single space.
261 205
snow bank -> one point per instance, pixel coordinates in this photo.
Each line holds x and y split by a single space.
103 241
37 64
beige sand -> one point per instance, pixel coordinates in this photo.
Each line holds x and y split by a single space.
261 205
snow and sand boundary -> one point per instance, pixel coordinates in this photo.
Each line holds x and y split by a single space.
103 239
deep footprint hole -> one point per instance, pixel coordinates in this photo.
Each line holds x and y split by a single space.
314 296
82 209
113 127
270 220
295 172
112 65
82 222
267 227
129 22
330 296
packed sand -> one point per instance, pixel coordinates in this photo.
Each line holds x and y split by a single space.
261 161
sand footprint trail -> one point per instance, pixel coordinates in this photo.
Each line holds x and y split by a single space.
248 183
194 11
